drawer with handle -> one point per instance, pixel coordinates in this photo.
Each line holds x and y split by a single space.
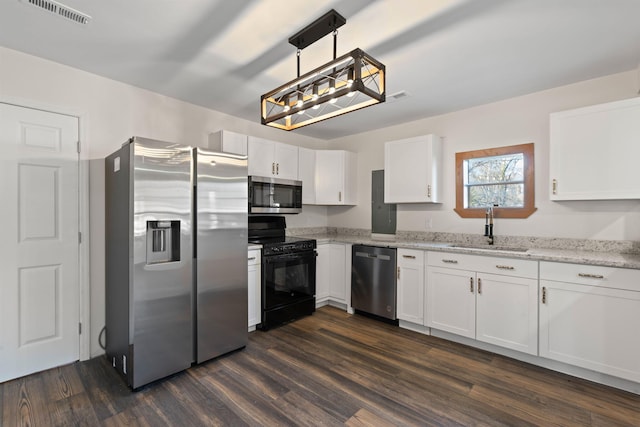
592 275
408 257
253 257
485 264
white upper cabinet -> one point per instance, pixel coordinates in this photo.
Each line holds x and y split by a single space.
272 159
228 142
336 177
412 170
594 152
307 174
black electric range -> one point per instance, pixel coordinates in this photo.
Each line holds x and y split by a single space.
288 271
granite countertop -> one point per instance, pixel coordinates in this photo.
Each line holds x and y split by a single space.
585 257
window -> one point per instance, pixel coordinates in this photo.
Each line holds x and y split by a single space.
501 177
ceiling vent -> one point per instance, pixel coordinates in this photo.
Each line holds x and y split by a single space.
61 10
397 96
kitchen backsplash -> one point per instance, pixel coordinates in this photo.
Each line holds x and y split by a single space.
615 246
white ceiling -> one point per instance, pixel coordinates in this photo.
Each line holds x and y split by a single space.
446 54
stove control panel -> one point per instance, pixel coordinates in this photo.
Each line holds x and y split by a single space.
288 248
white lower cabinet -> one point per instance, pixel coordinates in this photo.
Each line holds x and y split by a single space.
489 299
254 287
451 300
589 317
323 274
507 312
410 285
331 273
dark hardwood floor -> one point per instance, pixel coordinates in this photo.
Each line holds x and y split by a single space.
327 369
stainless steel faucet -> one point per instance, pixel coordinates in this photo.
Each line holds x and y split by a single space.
488 226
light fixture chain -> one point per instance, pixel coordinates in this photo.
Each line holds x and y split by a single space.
335 44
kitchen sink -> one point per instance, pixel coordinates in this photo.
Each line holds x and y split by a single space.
490 248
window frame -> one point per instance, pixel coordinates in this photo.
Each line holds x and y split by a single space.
501 212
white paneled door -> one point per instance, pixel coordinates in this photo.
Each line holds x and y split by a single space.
39 303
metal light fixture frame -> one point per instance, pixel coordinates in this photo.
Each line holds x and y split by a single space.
353 81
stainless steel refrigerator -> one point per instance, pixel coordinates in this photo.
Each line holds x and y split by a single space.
176 245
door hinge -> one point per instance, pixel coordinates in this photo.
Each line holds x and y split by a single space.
78 146
79 328
79 237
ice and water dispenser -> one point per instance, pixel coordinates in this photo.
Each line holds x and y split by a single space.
163 241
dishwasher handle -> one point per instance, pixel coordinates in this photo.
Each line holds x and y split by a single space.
381 257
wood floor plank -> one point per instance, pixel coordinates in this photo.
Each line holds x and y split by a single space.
365 418
334 403
331 368
25 402
308 412
62 382
107 391
255 379
126 418
75 410
244 402
345 385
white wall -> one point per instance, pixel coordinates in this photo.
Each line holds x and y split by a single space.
514 121
111 112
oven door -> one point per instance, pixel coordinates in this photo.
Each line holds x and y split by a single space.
288 279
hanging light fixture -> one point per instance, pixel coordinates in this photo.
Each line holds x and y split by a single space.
348 83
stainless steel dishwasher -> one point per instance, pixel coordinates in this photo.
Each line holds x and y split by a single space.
373 280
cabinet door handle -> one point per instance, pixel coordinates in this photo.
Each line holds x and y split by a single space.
554 186
409 256
591 276
277 168
544 295
252 258
450 261
398 273
479 286
339 196
471 284
273 168
429 191
505 267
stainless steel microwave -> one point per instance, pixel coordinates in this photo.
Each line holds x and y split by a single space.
274 195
